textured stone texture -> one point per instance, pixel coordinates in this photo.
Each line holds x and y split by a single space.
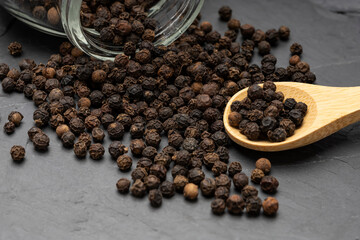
54 196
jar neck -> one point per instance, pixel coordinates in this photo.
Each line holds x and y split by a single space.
173 17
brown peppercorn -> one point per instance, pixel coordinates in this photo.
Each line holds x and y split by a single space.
98 134
152 182
123 185
155 197
191 191
257 175
219 167
167 189
32 131
53 16
270 206
17 153
269 184
249 191
295 59
240 181
208 187
9 127
139 173
68 139
138 189
15 117
116 149
284 33
137 146
296 49
77 125
61 129
41 141
124 163
179 182
225 13
115 130
263 164
235 119
223 181
234 168
98 76
196 175
92 122
96 151
210 159
253 205
206 27
86 138
218 206
15 49
235 204
234 24
80 149
222 192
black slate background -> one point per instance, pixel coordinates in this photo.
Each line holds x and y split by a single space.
55 196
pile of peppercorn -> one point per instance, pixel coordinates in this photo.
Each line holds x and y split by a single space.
120 23
263 114
179 91
43 10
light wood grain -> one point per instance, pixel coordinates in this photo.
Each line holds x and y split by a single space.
329 110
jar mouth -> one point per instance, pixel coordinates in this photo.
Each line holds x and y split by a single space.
173 17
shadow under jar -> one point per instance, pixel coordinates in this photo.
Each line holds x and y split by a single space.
63 18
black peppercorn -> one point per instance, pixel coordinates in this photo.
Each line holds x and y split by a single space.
218 206
123 185
235 204
167 189
269 184
17 153
41 141
124 162
9 127
80 149
96 151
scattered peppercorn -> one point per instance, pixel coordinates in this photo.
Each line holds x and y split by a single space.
123 185
15 49
263 164
155 197
17 153
269 184
257 175
9 127
270 206
96 151
191 191
218 206
15 117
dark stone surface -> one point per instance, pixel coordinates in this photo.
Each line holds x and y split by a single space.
55 196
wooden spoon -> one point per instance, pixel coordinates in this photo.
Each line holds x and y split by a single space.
329 110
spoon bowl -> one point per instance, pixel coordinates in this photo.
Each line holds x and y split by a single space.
329 110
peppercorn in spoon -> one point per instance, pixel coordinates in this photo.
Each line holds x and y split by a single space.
329 110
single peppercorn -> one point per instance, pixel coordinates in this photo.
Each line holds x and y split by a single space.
235 119
155 197
191 191
263 164
68 139
225 13
257 175
15 117
41 141
240 180
124 163
270 206
61 129
269 184
138 189
9 127
152 182
116 149
208 187
253 205
115 130
223 181
180 182
296 49
234 168
235 204
167 189
80 149
249 191
123 185
98 134
96 151
15 49
218 206
17 153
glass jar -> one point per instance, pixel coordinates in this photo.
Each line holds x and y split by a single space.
62 18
